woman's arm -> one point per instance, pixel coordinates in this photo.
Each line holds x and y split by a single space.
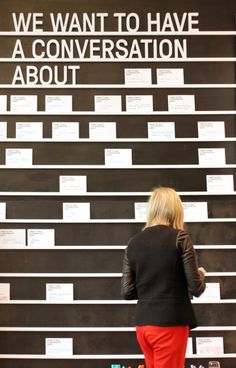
128 288
195 276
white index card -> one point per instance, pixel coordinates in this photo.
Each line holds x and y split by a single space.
4 292
138 77
3 103
211 129
12 237
195 211
210 346
101 131
139 103
211 156
29 130
161 130
19 157
24 103
181 103
65 131
140 211
211 293
115 157
76 211
58 103
3 130
189 350
60 292
3 210
170 77
220 183
73 184
59 347
107 103
41 237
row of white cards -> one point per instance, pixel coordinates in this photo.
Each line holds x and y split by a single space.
142 77
55 104
80 211
65 292
63 131
114 157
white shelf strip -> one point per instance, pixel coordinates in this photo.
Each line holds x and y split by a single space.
100 247
120 140
102 329
103 221
122 113
93 274
106 302
110 194
132 167
117 86
100 356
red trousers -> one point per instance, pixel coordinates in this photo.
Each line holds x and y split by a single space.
163 347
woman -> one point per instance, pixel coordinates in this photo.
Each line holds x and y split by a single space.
160 270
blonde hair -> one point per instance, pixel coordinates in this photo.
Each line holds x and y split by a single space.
165 208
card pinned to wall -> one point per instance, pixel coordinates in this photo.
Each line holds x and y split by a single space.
29 130
69 184
211 129
211 156
195 211
107 104
181 103
76 211
65 131
41 237
115 157
24 104
3 210
102 131
220 183
3 130
12 237
4 292
161 130
58 103
210 346
59 347
211 293
59 292
3 103
170 77
138 77
19 157
139 103
140 211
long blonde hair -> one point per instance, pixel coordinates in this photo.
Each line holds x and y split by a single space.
165 208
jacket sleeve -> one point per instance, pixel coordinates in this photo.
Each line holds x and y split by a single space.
128 288
194 277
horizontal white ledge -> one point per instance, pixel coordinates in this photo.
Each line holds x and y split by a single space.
102 329
121 113
118 86
118 60
110 194
117 33
105 356
103 221
100 247
134 167
107 302
95 275
120 140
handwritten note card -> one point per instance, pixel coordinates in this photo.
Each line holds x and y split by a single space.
138 77
115 157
